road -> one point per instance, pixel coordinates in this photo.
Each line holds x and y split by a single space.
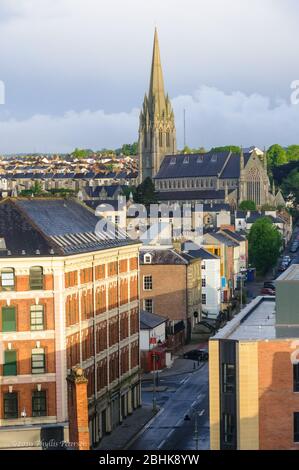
185 394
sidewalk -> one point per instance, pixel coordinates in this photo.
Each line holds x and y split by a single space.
180 366
120 438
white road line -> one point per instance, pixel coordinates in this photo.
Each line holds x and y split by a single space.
170 432
202 412
194 403
161 444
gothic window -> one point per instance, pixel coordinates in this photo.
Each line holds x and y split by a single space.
200 159
167 139
254 186
161 138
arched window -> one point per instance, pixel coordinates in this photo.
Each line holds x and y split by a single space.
36 278
8 279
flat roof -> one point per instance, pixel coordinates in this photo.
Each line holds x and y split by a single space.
290 274
255 322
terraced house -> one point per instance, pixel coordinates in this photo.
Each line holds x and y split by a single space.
69 297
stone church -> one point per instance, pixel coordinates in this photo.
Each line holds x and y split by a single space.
221 177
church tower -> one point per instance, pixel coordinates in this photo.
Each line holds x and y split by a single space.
157 135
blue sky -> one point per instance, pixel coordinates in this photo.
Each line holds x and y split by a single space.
75 71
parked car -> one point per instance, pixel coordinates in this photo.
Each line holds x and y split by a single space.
267 291
269 285
286 259
197 355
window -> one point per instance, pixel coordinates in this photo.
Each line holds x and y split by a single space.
160 139
203 282
10 363
228 378
36 317
147 259
296 377
173 161
39 403
200 159
186 160
203 266
167 139
147 282
228 428
214 158
204 299
36 278
8 279
117 219
148 305
10 405
9 319
38 362
296 427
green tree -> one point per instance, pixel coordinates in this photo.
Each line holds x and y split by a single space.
292 152
145 192
80 153
35 190
290 186
128 149
276 155
264 243
247 206
226 148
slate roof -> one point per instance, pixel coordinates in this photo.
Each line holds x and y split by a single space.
202 254
148 320
235 235
222 164
167 256
224 239
52 226
195 195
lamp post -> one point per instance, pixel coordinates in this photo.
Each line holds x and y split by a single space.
154 384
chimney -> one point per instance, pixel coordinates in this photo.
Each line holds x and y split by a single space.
78 409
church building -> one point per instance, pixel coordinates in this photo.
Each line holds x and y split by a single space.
212 177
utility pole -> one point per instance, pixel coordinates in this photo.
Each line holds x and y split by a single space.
184 128
154 384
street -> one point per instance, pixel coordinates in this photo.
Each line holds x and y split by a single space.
183 394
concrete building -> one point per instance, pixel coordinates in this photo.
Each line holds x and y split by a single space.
210 282
68 298
254 374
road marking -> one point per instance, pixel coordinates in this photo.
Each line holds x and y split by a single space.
161 444
170 432
202 412
194 403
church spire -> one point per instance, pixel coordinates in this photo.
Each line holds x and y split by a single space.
156 93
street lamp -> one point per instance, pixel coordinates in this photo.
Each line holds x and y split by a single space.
154 385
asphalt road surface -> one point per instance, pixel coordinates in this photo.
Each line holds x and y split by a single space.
185 394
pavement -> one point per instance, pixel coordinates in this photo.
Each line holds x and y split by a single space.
121 437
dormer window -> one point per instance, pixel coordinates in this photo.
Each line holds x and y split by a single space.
173 161
200 159
214 158
186 159
147 259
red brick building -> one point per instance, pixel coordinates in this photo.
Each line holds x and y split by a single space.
68 297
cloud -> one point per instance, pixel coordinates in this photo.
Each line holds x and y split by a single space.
213 118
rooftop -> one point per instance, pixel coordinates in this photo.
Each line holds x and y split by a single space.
46 227
150 320
257 321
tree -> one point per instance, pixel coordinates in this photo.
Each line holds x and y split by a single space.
264 243
276 155
247 206
80 153
226 148
290 186
292 152
145 192
35 190
128 149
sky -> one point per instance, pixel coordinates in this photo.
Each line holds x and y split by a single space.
75 71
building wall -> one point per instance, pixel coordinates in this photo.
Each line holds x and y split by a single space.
214 395
92 319
277 401
169 290
213 286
